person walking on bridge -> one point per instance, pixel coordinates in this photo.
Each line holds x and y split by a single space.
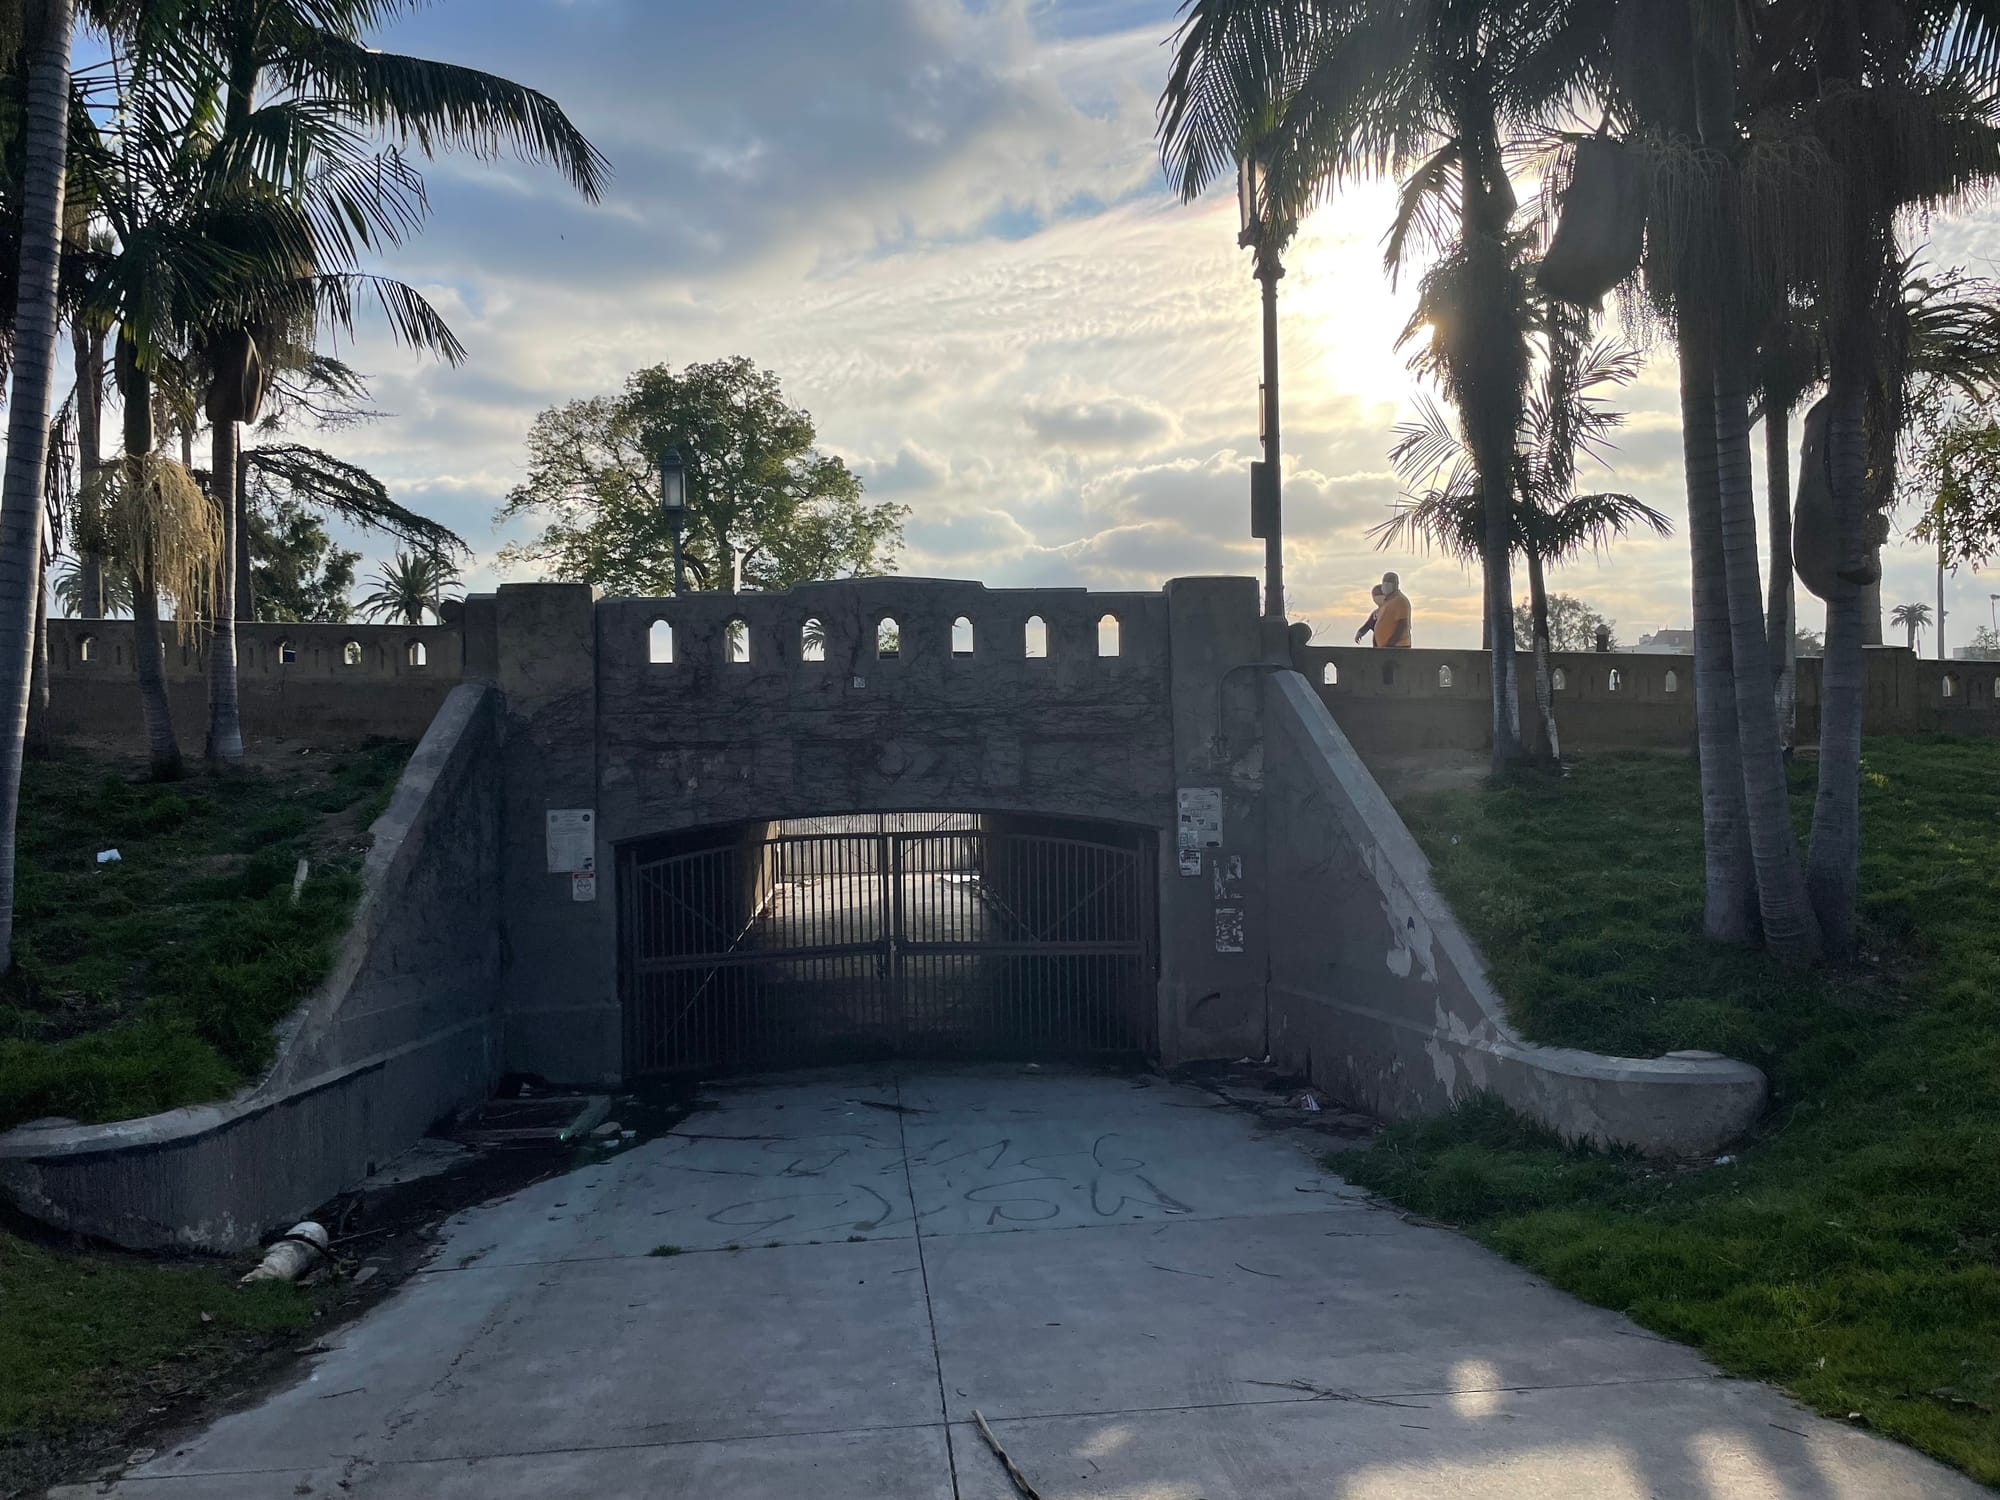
1392 616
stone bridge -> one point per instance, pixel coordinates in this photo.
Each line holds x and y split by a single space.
916 815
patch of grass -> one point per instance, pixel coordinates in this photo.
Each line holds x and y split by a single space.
155 980
84 1340
1852 1250
666 1250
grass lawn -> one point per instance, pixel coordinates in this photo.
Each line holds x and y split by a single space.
154 981
91 1344
1851 1252
139 985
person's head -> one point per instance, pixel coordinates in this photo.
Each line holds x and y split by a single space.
1376 593
1391 583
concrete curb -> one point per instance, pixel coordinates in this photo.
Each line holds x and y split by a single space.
372 1058
1405 1021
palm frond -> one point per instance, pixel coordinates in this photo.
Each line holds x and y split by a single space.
330 485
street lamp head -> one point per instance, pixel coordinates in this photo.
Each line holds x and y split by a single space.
673 484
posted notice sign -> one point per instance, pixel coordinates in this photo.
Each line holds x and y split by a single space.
572 841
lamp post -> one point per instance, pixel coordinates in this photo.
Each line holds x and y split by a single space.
1265 233
674 505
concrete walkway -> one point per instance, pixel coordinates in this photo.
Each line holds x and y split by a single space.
1148 1298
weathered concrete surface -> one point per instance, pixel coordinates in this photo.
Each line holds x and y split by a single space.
1147 1297
402 1032
1377 991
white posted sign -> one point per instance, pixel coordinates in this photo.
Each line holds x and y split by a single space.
572 841
1200 817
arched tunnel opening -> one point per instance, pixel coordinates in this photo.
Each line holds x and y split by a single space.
921 934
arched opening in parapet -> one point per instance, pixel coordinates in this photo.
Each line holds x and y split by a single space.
1616 681
660 643
1034 638
1673 682
812 641
963 642
888 639
736 642
418 655
1107 636
930 934
1444 676
1559 679
86 649
288 651
350 653
1948 689
1329 675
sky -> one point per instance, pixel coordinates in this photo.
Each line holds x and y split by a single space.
944 225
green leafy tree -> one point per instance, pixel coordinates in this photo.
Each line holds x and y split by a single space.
413 584
764 504
1984 645
299 573
1573 623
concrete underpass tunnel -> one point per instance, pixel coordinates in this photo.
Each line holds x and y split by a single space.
931 934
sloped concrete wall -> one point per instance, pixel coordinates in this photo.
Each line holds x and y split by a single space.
402 1032
1378 994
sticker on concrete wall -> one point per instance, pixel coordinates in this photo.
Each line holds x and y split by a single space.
1201 817
1190 861
583 885
572 841
1228 877
1229 929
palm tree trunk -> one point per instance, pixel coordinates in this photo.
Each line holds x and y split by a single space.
35 329
1730 906
88 348
1781 611
1790 929
1545 692
149 660
1834 861
38 742
225 722
246 582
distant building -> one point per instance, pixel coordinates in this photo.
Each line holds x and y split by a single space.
1667 643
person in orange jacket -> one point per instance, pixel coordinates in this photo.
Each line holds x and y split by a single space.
1392 617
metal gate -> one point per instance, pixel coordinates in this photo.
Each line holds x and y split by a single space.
809 947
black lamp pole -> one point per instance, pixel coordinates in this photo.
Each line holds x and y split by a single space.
1263 235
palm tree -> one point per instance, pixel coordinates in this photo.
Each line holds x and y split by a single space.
307 140
1913 618
1901 101
47 42
414 583
1549 524
1434 91
85 598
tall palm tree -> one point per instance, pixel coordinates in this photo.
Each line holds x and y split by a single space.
1914 618
46 38
409 587
1550 524
306 140
1435 91
1902 101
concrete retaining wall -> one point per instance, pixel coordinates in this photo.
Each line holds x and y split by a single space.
402 1032
1378 994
